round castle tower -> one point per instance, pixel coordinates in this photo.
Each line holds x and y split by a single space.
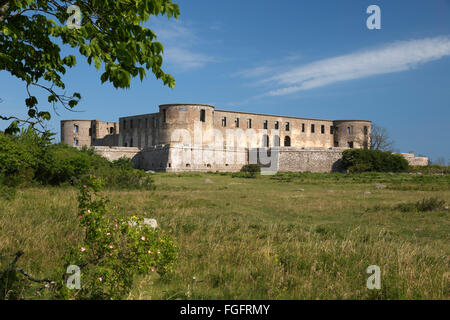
76 132
352 133
187 117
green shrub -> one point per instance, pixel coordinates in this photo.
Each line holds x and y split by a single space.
248 171
30 156
359 160
96 161
424 205
8 193
252 168
247 175
123 163
431 169
15 157
120 178
22 156
114 250
63 164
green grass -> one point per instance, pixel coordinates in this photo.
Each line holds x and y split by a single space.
289 236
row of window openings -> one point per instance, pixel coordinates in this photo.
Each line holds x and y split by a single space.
237 123
188 165
153 122
76 129
287 142
266 142
277 126
249 124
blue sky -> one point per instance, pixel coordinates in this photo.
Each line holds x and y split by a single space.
314 59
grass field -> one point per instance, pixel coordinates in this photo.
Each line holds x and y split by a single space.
289 236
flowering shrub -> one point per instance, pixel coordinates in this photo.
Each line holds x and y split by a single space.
114 250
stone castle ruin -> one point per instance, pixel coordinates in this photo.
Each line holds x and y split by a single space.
197 137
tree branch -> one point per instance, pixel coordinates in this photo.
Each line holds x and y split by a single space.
12 268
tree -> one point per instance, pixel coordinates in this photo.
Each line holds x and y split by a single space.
380 139
108 33
440 161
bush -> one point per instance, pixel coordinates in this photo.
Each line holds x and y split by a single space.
16 161
359 160
251 168
23 156
8 193
248 171
120 178
63 164
114 250
424 205
29 157
123 163
431 169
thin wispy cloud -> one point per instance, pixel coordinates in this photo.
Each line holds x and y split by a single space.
395 57
270 67
185 58
180 45
254 72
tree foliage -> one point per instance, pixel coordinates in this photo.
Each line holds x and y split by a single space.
359 160
31 158
110 35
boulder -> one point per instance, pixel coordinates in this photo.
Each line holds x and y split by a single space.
152 223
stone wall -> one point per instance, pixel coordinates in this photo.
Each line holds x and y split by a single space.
155 158
295 160
179 158
186 158
415 161
115 153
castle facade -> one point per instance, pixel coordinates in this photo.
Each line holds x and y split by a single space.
197 137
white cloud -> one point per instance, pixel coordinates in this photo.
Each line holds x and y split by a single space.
270 67
395 57
172 30
254 72
186 59
180 45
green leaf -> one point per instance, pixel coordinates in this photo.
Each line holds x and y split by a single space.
31 42
44 115
31 102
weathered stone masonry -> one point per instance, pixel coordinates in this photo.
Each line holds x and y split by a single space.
195 137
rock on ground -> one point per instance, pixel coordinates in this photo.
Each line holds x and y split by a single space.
152 223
